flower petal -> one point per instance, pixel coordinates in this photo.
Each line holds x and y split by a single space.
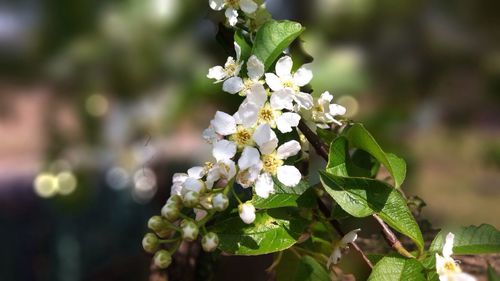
337 109
264 185
304 100
216 4
224 150
288 149
274 82
232 16
282 99
286 121
249 157
247 114
257 95
237 50
302 76
196 172
233 85
255 68
350 237
448 245
288 175
217 73
265 138
248 6
224 124
334 257
284 67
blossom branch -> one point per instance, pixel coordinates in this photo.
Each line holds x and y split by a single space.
389 236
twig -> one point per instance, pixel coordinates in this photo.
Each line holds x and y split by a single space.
389 236
324 209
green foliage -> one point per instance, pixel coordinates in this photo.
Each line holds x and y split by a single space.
359 137
273 230
300 195
481 239
361 197
273 37
293 268
397 269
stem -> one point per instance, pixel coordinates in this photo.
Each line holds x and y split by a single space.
318 145
389 236
339 230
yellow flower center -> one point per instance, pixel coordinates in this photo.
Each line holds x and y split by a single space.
291 85
232 3
266 114
271 163
242 137
451 266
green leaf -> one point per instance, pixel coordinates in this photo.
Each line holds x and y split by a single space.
273 230
397 269
359 137
340 163
310 270
246 48
284 196
294 268
273 37
492 275
470 240
363 197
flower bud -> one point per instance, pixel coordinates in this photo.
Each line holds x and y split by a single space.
162 259
150 243
220 202
170 211
210 241
192 184
189 230
157 224
191 198
176 200
247 212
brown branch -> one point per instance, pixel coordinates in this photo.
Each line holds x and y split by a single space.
321 149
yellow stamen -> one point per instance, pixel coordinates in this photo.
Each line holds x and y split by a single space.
271 163
266 114
242 137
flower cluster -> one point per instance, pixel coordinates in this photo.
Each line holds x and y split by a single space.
247 146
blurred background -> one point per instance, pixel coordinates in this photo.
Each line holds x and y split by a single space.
102 101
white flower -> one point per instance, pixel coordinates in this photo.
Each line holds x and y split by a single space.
255 110
284 79
269 161
224 169
227 125
324 111
230 70
177 180
446 266
232 6
350 237
247 212
255 70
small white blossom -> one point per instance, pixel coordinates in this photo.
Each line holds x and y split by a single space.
350 237
209 242
247 212
224 169
255 110
269 161
255 71
230 70
324 112
446 266
232 7
285 79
